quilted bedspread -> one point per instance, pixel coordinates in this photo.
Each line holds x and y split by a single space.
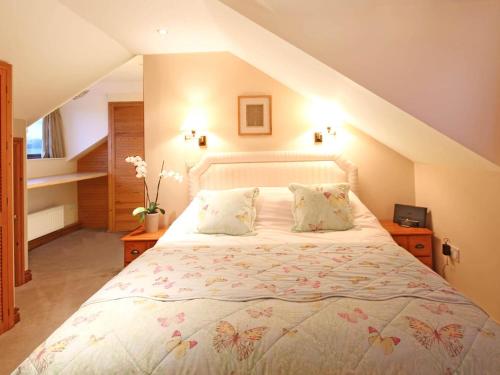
273 309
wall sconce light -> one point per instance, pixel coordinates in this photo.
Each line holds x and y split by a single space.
202 141
194 127
318 137
331 131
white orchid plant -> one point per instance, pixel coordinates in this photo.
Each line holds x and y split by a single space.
141 169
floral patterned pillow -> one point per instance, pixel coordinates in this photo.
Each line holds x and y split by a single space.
321 207
227 211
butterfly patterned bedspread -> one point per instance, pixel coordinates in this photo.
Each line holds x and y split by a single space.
273 309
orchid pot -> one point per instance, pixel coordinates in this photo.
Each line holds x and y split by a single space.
150 214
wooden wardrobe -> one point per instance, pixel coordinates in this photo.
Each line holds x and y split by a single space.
6 200
125 138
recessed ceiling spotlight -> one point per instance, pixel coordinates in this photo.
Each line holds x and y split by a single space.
162 32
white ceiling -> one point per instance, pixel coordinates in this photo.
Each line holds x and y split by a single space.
133 23
80 41
55 54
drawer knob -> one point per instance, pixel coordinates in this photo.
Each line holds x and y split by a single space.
134 252
419 246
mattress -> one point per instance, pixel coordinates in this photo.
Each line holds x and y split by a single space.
275 302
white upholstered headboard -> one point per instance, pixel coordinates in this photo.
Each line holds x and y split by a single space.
270 168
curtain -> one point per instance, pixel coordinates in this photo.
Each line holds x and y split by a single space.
53 142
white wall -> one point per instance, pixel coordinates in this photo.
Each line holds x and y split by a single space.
86 119
45 197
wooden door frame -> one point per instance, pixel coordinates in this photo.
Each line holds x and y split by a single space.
112 159
6 217
21 275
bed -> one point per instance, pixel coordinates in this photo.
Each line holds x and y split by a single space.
276 302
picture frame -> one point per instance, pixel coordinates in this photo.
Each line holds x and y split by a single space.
255 115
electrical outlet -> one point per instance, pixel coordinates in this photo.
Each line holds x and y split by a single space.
455 253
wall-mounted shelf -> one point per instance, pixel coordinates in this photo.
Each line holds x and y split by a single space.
39 182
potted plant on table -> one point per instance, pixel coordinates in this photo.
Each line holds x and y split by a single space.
150 214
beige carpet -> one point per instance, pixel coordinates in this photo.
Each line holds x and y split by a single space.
65 273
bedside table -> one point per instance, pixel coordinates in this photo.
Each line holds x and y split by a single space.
137 242
418 241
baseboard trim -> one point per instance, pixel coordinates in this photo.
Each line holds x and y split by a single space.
27 276
17 315
33 244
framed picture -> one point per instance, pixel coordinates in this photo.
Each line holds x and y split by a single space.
254 115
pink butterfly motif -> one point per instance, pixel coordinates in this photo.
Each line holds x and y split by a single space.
159 269
438 309
86 319
303 281
327 194
255 313
164 282
270 287
414 284
290 291
191 275
180 346
120 285
192 257
354 316
342 259
322 274
226 258
288 269
165 322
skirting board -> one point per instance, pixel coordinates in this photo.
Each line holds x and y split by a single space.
27 276
33 244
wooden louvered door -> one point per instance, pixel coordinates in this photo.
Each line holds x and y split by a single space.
125 138
6 197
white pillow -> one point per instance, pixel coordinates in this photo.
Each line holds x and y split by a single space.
274 207
229 211
321 207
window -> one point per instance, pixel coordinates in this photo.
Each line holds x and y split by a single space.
34 140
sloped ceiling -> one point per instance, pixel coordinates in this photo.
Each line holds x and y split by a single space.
55 54
189 24
437 60
116 29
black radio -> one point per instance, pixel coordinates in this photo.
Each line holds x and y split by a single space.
410 216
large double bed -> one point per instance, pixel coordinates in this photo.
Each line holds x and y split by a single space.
276 301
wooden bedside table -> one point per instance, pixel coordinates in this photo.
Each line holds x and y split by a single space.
418 241
137 242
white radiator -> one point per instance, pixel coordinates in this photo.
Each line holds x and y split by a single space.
44 222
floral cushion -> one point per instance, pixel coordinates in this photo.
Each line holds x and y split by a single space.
321 207
227 211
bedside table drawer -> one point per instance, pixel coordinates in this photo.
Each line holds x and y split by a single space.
420 246
133 249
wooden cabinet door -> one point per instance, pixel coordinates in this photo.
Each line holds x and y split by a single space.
126 138
6 197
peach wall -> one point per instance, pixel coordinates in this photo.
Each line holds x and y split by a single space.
210 83
464 206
